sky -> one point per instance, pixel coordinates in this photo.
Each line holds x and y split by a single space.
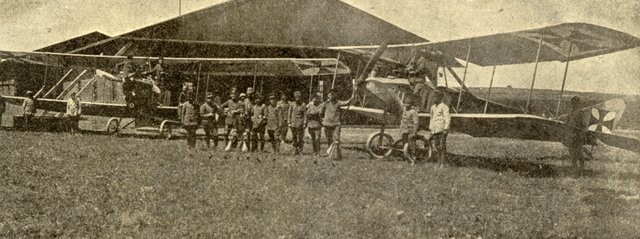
26 25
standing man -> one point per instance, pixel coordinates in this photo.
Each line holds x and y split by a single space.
3 106
258 124
74 111
250 97
159 77
232 106
272 114
28 110
578 136
297 122
189 117
439 124
314 125
283 118
210 113
421 92
331 121
409 123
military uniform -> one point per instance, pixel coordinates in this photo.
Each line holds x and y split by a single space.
297 117
314 125
272 115
189 117
209 112
257 127
283 119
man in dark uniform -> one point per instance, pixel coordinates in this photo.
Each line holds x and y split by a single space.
258 124
578 136
297 122
189 117
232 106
210 113
272 114
283 117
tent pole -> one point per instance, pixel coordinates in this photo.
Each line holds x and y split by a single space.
335 71
464 76
208 78
535 71
198 85
310 88
486 103
564 78
255 74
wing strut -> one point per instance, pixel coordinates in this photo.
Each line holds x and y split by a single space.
73 83
335 71
464 76
486 102
535 71
57 84
564 78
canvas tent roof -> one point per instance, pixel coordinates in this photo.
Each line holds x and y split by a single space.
75 42
286 22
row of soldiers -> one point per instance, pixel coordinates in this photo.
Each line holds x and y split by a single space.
248 119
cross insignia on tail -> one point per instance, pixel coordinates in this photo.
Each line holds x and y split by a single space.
601 120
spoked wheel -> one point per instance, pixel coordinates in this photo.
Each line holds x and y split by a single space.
419 150
113 127
379 145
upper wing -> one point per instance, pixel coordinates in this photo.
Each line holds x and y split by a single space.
213 66
584 40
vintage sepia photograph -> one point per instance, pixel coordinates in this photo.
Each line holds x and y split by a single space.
319 119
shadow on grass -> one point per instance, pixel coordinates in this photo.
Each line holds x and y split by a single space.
524 167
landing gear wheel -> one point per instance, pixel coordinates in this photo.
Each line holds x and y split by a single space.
166 130
421 149
379 145
113 127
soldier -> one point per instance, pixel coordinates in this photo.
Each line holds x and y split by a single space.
409 123
232 106
578 136
189 117
331 121
421 92
314 125
248 101
241 130
210 114
297 122
258 124
283 118
272 114
74 111
28 110
439 124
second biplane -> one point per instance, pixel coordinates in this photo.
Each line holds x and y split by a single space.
381 99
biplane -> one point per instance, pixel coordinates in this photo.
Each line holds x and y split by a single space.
381 98
143 91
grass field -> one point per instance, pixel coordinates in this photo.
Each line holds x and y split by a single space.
58 185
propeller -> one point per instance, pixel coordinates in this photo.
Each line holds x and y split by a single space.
372 62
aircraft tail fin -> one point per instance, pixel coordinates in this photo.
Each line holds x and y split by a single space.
604 117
